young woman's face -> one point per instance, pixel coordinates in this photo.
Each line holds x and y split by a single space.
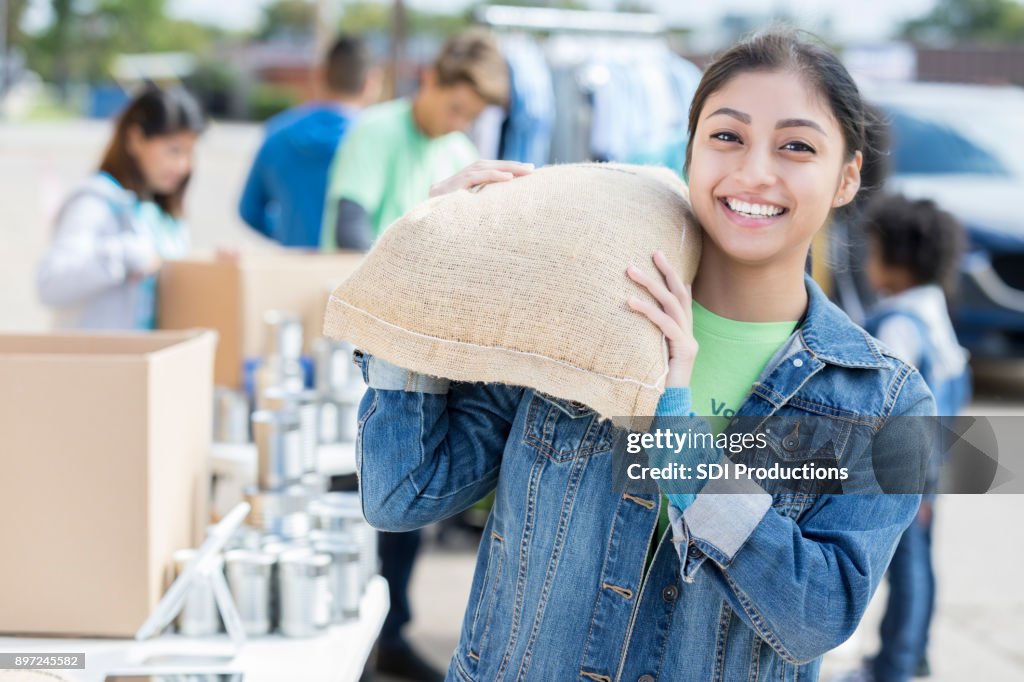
768 164
164 160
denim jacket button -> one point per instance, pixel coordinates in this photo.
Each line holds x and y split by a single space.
693 552
670 593
646 678
798 363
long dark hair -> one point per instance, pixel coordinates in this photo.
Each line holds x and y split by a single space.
156 111
784 48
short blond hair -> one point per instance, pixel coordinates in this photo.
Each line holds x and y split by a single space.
473 58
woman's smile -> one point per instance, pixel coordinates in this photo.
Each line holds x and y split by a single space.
751 213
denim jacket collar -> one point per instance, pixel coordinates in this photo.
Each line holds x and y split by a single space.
826 337
830 335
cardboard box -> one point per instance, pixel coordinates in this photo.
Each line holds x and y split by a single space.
232 296
104 447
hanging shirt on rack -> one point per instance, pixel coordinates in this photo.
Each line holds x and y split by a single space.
528 129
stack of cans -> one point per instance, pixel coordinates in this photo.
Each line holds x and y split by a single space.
339 386
304 557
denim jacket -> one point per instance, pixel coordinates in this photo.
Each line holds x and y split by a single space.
747 587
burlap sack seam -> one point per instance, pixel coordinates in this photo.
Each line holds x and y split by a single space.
658 385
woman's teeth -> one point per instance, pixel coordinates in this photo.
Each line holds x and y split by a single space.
754 210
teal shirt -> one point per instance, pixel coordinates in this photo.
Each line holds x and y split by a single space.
170 239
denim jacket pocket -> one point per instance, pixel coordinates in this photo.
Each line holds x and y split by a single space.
799 447
793 505
564 429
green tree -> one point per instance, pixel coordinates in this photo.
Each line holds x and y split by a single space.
94 33
977 21
375 17
287 19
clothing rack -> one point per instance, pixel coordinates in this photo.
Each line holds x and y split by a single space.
587 85
566 20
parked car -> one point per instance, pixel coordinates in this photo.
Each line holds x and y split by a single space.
963 147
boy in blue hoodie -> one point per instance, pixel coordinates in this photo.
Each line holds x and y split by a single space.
283 198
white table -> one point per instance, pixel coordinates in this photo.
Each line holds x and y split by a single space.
339 655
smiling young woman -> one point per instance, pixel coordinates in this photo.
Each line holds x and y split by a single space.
768 163
752 586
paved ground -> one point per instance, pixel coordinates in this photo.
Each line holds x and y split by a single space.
979 627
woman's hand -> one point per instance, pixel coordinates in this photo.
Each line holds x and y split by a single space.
674 316
150 267
480 173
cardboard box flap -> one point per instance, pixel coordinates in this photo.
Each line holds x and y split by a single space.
95 343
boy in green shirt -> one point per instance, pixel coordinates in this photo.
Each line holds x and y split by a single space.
400 148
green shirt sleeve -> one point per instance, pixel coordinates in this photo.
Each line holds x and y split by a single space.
358 173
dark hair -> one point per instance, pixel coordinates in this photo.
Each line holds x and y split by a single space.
347 65
156 112
784 48
472 57
917 235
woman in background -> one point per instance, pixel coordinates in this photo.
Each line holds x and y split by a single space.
114 231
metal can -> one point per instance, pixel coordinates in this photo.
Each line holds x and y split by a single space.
346 576
283 335
230 416
316 484
275 547
341 513
198 616
279 512
278 448
333 363
305 405
304 592
249 575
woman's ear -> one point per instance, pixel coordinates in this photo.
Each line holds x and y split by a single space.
849 181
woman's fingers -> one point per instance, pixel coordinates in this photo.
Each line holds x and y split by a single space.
659 317
672 278
669 302
485 177
514 167
481 173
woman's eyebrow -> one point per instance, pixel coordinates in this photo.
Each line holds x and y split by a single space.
799 123
784 123
727 111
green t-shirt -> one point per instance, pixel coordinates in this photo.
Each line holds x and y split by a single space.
731 356
386 165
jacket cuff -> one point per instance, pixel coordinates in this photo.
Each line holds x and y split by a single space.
381 374
723 516
676 401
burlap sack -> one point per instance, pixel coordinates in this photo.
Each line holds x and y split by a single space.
524 283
